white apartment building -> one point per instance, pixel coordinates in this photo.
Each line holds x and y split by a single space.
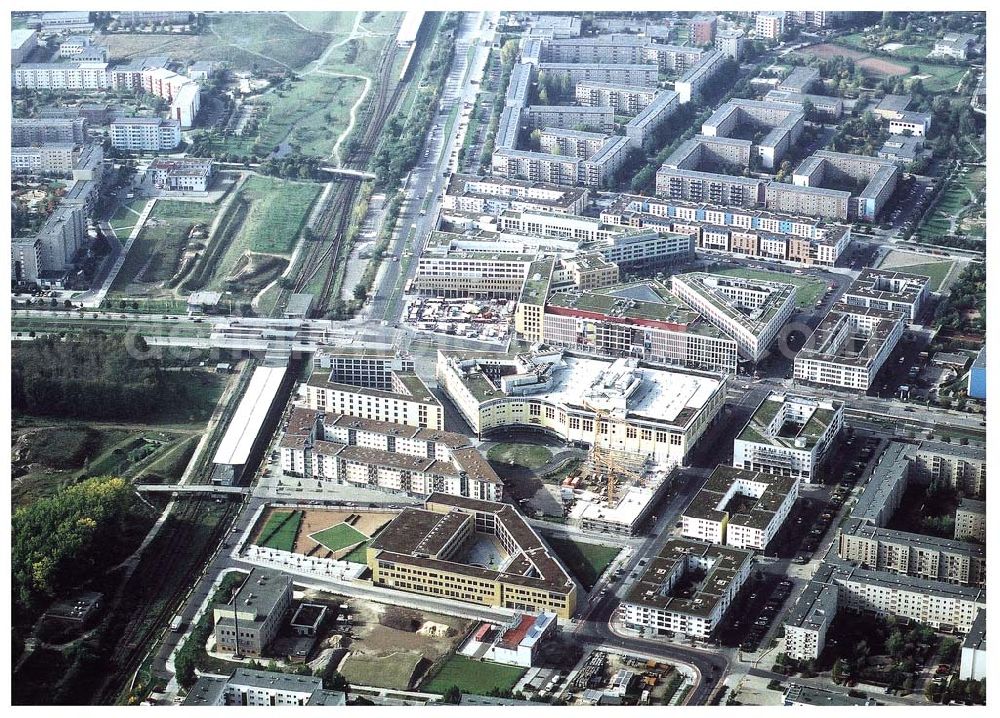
145 134
889 291
750 311
372 386
848 347
807 623
742 509
61 76
55 158
770 25
650 604
788 436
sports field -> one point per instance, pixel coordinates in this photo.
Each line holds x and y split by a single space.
474 677
338 537
935 78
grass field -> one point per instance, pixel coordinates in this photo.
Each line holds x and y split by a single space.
473 676
124 219
337 22
278 212
586 560
267 41
955 198
809 289
156 253
937 271
530 456
359 554
338 537
280 530
394 671
940 78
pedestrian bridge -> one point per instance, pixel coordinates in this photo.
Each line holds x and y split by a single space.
192 489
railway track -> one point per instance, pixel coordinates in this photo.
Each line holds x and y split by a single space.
334 219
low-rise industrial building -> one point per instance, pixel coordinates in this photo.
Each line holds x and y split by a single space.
742 509
516 643
752 312
789 436
247 622
625 407
427 550
848 347
719 573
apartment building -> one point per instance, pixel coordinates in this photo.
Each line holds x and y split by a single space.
788 436
742 509
598 119
746 232
963 467
731 43
807 623
641 128
752 312
372 385
825 167
449 272
783 120
689 85
973 662
812 201
890 291
246 623
651 603
658 413
56 158
88 75
720 189
383 456
494 195
644 75
572 143
827 108
912 554
145 134
43 130
770 25
849 346
421 551
970 521
623 99
25 260
702 29
22 42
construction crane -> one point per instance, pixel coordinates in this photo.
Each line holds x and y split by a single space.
601 459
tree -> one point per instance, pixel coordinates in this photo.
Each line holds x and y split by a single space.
360 293
333 680
452 696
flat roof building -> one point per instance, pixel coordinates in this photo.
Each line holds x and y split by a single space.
247 622
742 509
656 413
653 603
427 551
250 687
246 431
809 620
973 663
750 311
889 290
970 520
788 435
849 346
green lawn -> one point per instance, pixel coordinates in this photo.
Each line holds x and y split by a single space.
394 671
958 195
809 288
474 677
271 35
337 22
359 554
156 253
530 456
125 217
280 531
937 271
338 537
279 210
586 560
